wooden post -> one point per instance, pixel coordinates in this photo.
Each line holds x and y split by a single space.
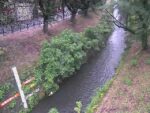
23 98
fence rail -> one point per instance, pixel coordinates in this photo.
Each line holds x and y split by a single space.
20 15
19 26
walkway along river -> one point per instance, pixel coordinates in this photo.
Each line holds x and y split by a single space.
92 75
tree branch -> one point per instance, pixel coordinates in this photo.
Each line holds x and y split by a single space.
119 24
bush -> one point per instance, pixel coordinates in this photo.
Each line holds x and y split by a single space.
32 101
134 62
66 53
78 107
53 110
3 90
60 58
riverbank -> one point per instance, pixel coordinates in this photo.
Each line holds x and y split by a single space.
130 91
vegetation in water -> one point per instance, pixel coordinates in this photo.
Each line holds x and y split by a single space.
53 110
78 107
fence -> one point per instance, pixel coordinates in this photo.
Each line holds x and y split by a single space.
17 16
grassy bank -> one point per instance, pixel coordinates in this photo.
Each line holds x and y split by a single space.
130 91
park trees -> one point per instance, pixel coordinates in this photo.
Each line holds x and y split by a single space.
73 6
48 9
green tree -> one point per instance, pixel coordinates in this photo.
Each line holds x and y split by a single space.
48 9
73 6
137 13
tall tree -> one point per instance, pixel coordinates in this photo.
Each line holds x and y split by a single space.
73 6
48 9
85 4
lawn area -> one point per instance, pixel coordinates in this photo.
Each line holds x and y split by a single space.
130 91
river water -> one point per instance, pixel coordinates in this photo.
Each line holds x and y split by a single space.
91 76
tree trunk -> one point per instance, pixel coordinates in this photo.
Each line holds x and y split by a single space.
73 16
144 39
35 9
45 26
145 27
86 12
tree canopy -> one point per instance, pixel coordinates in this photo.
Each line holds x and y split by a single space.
137 13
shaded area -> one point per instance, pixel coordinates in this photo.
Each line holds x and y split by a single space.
92 75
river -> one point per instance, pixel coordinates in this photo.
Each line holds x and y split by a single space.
91 76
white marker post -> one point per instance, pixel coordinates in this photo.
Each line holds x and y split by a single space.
14 69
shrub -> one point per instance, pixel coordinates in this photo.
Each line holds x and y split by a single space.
60 58
3 90
12 104
53 110
32 101
65 54
78 107
134 62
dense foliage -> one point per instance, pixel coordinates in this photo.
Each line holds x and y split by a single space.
3 90
78 107
66 52
53 110
138 18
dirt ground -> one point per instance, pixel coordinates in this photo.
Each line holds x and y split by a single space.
23 48
130 91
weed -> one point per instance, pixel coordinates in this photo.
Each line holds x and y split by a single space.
134 62
12 104
3 89
127 81
53 110
78 107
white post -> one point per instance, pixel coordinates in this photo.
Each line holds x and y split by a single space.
14 69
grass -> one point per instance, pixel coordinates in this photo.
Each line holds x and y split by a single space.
98 97
127 81
134 62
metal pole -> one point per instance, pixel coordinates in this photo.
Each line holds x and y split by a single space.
23 98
